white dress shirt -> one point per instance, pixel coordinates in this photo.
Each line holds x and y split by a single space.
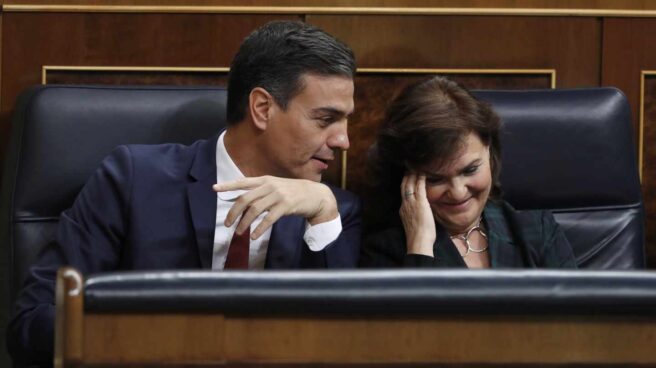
317 237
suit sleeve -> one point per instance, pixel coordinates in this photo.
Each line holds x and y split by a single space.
379 251
557 249
344 252
89 237
387 249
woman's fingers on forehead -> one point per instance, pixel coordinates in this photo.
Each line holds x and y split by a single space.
410 183
421 185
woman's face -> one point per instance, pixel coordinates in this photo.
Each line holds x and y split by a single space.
458 191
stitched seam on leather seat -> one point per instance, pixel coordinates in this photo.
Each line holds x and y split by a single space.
35 219
636 205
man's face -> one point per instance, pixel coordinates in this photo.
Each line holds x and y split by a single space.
302 139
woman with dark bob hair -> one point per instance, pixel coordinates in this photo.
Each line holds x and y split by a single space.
438 155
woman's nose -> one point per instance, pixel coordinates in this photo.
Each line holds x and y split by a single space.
458 190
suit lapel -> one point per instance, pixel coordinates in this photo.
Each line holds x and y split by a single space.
445 252
286 243
500 240
202 199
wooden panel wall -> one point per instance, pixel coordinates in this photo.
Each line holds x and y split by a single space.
90 39
569 45
541 5
628 51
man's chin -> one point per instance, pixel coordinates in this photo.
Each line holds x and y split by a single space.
315 177
312 176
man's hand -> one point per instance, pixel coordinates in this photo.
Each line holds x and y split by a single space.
280 197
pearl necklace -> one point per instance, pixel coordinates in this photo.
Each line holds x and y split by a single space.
465 237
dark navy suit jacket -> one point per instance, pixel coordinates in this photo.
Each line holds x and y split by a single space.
153 207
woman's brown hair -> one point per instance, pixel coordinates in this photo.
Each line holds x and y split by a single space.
427 124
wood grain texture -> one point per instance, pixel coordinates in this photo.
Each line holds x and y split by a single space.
4 262
159 339
89 39
628 50
357 340
649 167
534 4
571 46
110 40
180 78
126 40
69 322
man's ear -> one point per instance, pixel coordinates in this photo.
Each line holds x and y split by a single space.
260 105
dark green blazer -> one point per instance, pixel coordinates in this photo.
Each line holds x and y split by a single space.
517 239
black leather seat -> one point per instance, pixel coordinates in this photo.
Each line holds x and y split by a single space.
61 134
366 292
572 152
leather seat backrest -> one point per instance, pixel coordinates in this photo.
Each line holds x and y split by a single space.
571 151
60 134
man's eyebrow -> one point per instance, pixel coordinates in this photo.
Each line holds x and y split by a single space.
331 111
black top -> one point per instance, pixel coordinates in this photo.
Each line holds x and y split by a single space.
516 239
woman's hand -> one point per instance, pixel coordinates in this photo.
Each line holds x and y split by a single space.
416 215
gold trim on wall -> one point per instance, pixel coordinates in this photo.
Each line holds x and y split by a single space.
342 182
46 68
327 10
641 121
550 72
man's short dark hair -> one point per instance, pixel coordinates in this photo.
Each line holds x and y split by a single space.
276 56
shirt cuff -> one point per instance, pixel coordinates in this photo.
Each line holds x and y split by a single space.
318 236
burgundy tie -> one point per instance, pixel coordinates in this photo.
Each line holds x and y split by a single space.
238 251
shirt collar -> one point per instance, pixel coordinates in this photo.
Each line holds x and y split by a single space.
226 170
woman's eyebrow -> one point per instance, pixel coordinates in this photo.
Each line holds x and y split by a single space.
440 175
435 177
474 162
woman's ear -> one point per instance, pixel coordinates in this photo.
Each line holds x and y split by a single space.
491 159
260 104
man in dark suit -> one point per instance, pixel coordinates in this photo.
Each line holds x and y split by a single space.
290 93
